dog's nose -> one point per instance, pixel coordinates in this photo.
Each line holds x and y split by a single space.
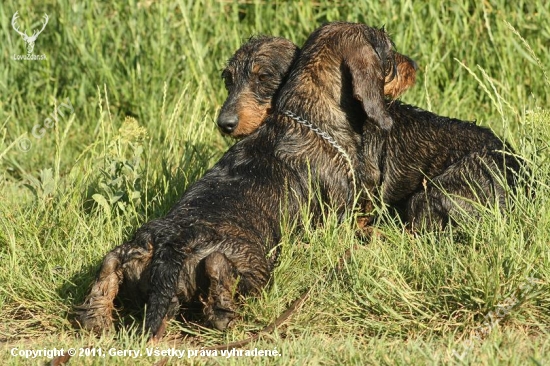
228 123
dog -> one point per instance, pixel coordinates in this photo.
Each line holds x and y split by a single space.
428 167
222 238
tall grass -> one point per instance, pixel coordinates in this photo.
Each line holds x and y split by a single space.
144 80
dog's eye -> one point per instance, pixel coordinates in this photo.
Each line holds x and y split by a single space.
264 76
390 69
227 79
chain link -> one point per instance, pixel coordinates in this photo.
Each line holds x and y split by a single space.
328 138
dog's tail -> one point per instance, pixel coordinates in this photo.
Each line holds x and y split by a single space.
166 265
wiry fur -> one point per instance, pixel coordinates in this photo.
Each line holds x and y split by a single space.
432 167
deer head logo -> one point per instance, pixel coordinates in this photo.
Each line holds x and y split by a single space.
29 39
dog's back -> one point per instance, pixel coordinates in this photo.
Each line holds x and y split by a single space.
422 145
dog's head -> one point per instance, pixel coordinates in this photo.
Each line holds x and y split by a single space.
349 61
252 77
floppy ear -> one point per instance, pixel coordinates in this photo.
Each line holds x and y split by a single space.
368 84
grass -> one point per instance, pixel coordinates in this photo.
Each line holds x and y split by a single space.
144 81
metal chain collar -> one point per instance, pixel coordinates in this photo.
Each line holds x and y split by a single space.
328 138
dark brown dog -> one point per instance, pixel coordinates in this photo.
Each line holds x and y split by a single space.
252 76
429 167
222 237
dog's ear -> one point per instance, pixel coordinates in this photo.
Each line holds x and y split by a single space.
368 80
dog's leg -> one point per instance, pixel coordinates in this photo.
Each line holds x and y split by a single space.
135 264
96 312
162 302
471 180
220 307
364 220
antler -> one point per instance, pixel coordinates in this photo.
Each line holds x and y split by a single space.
25 35
14 25
35 34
